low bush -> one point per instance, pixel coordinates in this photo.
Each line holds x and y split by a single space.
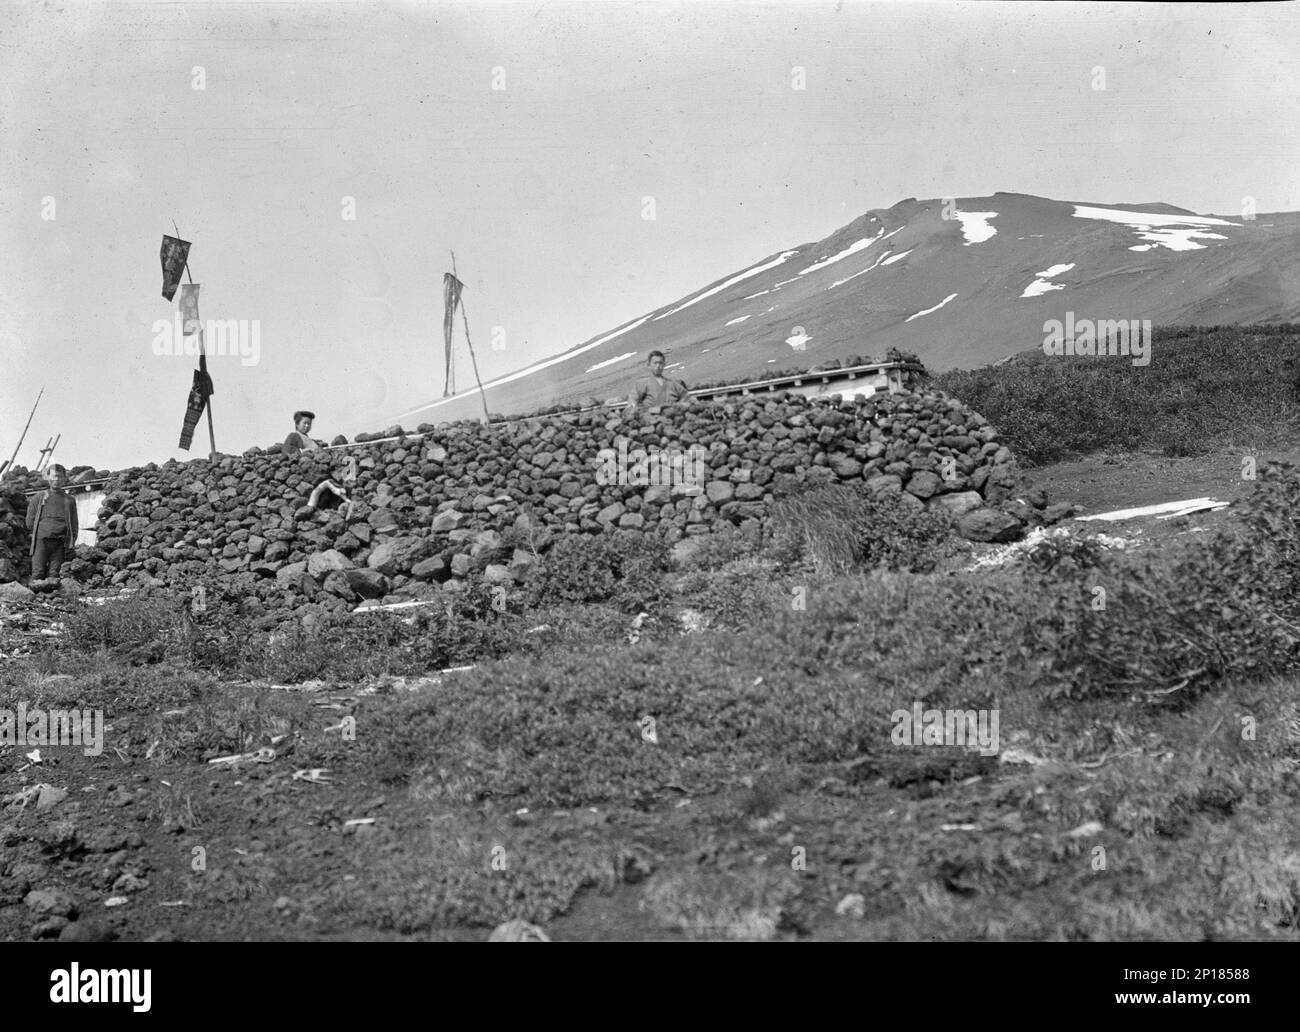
711 551
939 640
135 624
836 529
1064 550
741 595
623 568
1169 628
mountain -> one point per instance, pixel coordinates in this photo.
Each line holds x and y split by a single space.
961 282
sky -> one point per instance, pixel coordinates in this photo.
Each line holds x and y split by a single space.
586 162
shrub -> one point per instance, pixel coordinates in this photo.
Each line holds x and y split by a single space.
740 595
142 626
576 569
1169 629
1061 549
622 567
715 550
938 640
838 528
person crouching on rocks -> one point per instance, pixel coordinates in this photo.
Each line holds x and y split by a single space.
300 440
52 522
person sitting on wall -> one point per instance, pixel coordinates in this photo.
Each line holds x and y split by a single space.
300 440
52 522
656 389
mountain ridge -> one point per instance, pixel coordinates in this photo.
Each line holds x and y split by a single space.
959 291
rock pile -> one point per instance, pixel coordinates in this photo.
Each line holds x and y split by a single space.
14 560
465 500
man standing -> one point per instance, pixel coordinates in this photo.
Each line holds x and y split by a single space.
656 389
52 522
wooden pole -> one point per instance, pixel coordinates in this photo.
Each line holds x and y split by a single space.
203 366
25 429
481 393
47 452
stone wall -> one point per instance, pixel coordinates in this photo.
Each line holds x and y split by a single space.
466 500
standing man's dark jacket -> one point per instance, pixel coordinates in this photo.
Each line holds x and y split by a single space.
52 514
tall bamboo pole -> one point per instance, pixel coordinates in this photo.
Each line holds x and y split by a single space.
482 394
24 436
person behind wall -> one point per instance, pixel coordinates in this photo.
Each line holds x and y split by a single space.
52 522
655 388
300 440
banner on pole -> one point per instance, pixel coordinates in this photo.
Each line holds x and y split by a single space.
190 323
175 253
198 400
451 288
201 389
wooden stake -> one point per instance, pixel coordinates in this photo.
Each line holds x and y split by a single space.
25 429
47 453
482 394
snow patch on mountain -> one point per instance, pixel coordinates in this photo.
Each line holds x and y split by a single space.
839 283
853 248
927 311
1180 239
975 226
1180 232
610 361
1041 285
798 341
898 257
1146 218
738 319
727 283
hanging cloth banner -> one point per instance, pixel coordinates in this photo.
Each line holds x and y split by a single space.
175 253
201 389
194 407
190 323
451 288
